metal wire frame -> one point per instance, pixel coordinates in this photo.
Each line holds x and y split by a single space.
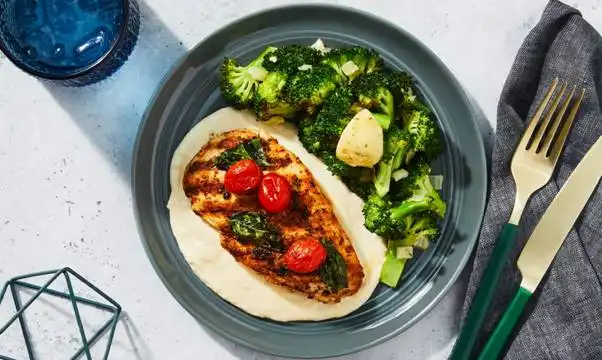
67 272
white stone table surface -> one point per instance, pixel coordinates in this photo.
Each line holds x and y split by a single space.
65 156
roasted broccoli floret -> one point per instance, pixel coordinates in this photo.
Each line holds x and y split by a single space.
282 65
351 62
400 84
322 133
397 144
372 91
420 231
403 188
239 83
411 114
291 58
312 135
416 117
270 101
308 89
377 217
420 137
426 135
410 103
423 198
388 215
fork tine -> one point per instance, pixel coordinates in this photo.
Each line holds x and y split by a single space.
525 140
551 135
544 127
559 143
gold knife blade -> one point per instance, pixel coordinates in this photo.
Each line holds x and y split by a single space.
556 223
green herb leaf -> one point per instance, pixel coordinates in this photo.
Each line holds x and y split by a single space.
254 227
248 150
334 270
229 157
255 149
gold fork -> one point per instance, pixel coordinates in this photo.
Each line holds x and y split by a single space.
535 158
532 166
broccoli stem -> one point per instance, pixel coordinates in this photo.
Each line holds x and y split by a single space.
385 168
382 180
410 207
392 269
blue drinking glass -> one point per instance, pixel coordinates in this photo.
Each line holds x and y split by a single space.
69 42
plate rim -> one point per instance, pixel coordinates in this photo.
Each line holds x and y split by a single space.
451 79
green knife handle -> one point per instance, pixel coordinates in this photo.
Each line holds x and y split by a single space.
482 300
504 328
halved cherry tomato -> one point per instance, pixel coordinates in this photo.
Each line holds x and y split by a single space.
242 177
275 193
305 256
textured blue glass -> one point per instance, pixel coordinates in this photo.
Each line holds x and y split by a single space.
71 42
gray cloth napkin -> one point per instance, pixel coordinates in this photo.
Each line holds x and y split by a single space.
564 318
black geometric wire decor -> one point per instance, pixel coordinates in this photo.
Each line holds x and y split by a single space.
21 281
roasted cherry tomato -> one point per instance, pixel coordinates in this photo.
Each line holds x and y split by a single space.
275 193
305 256
242 177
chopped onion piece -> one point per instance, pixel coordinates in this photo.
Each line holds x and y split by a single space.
437 181
404 252
400 174
349 68
319 45
422 243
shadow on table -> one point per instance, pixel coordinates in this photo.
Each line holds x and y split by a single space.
135 342
51 310
109 112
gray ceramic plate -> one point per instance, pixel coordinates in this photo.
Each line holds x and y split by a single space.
191 92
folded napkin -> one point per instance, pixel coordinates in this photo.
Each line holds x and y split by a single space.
564 317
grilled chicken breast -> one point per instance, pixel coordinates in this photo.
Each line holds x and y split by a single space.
310 215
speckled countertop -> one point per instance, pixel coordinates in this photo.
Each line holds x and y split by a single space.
65 158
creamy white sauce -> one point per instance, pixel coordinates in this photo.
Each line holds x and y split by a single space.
235 283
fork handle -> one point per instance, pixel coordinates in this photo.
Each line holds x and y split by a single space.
504 328
481 302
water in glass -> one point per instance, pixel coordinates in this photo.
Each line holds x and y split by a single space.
67 33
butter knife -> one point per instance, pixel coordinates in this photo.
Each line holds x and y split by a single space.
545 241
